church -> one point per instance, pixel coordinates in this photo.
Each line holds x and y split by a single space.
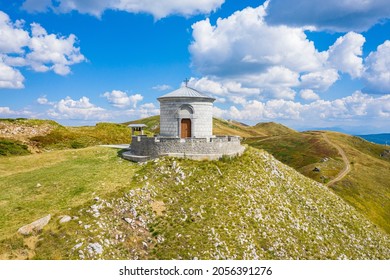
186 130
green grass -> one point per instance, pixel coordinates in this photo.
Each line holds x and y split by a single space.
12 148
81 137
297 149
257 208
51 183
366 187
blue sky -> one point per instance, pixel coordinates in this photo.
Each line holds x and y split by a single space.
308 64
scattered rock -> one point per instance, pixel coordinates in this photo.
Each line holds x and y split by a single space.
78 245
34 226
95 247
65 219
38 185
316 169
128 220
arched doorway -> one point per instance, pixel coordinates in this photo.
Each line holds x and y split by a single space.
185 128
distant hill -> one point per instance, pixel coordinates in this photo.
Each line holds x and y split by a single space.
383 138
224 127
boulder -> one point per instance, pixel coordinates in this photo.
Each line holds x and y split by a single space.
35 226
65 219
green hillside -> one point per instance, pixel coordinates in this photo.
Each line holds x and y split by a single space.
39 135
250 207
366 186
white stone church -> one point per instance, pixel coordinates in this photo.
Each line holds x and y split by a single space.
186 130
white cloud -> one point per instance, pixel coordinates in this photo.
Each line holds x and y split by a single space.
346 54
147 110
320 80
276 92
158 9
120 99
279 76
308 94
81 109
356 110
39 50
271 61
50 52
336 15
377 74
162 87
42 100
13 38
243 43
5 111
10 77
208 85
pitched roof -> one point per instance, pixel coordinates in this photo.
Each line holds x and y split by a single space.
185 92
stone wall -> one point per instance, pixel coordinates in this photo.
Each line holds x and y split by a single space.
211 148
201 118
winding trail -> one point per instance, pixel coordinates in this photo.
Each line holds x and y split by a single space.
347 165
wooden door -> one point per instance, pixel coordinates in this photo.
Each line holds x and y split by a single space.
185 128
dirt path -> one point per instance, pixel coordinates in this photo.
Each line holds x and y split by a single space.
347 165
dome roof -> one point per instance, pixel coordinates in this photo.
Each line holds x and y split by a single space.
186 92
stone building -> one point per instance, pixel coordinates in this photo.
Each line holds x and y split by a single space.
186 113
186 130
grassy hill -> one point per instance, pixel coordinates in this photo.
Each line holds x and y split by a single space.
268 205
367 185
250 207
23 136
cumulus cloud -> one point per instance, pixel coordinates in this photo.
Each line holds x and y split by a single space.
13 38
377 74
346 54
208 85
50 52
353 110
335 15
244 44
37 50
5 111
271 61
158 9
10 77
319 80
120 99
81 109
308 94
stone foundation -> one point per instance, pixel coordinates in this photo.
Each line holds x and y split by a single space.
211 148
